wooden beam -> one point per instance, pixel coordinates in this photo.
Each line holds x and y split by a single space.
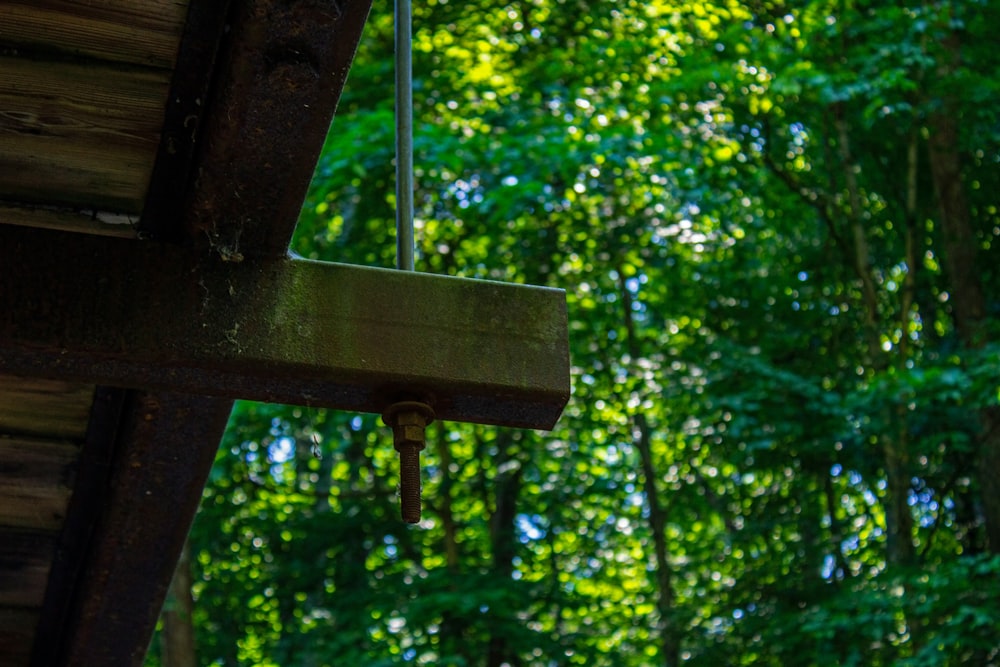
143 315
79 134
36 482
25 558
121 31
17 628
69 219
44 408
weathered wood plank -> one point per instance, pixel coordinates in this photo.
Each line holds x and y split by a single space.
142 33
70 220
280 330
25 558
17 632
35 482
46 408
79 135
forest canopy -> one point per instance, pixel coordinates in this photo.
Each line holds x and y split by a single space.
777 226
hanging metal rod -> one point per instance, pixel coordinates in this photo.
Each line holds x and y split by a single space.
404 136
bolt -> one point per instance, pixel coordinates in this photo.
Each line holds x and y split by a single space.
408 420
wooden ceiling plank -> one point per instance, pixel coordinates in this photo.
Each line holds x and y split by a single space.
17 629
79 134
280 330
70 220
46 408
25 558
82 99
45 170
36 482
141 33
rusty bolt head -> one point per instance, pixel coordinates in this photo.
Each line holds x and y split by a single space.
408 420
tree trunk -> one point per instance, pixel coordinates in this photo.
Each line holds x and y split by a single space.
670 646
321 506
503 539
895 447
177 647
453 625
966 291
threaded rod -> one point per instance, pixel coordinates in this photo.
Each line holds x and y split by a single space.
408 420
409 483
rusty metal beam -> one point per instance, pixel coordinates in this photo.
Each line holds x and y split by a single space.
252 97
235 161
147 484
284 67
162 216
91 489
251 100
141 315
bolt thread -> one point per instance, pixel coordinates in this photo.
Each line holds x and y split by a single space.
409 484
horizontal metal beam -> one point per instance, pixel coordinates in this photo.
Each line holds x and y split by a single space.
144 315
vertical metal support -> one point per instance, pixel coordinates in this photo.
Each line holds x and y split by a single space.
404 135
408 419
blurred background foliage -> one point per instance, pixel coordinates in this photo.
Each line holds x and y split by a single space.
777 226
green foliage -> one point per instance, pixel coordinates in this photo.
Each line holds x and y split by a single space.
770 457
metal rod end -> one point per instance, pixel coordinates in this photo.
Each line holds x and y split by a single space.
408 420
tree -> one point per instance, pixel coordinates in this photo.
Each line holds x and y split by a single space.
776 228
